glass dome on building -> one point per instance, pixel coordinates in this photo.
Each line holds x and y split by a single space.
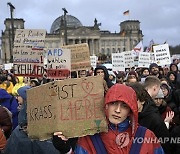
72 22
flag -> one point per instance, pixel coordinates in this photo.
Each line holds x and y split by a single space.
149 48
126 13
138 48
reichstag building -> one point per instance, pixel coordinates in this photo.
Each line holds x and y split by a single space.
67 29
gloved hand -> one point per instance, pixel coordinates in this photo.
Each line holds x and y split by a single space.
61 145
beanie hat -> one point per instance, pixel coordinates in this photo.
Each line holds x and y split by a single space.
153 65
160 94
22 92
166 86
35 81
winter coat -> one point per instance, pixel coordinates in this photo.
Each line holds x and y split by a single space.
5 121
11 103
8 86
19 143
19 84
119 92
175 133
151 119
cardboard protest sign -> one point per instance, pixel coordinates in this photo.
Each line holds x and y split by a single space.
129 59
72 106
80 56
28 52
118 62
58 63
144 59
162 55
93 60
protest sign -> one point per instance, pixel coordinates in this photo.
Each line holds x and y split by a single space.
129 59
93 60
144 59
118 62
8 66
58 63
72 106
80 56
28 52
162 55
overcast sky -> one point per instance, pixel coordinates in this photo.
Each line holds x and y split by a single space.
160 19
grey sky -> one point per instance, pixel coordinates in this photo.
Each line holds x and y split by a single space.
159 18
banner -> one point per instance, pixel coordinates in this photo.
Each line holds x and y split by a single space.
93 60
118 62
58 63
28 52
162 54
129 59
73 106
80 56
144 59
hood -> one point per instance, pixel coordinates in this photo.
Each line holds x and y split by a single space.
174 65
120 92
106 74
22 92
20 79
4 94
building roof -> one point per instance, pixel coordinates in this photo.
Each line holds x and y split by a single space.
72 22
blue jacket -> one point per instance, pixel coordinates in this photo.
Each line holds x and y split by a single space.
11 103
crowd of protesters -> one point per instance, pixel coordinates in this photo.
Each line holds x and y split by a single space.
148 99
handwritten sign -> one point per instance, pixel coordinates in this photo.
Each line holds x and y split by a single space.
162 54
80 56
144 59
28 52
118 62
58 63
73 106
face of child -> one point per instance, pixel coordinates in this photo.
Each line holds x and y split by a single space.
117 112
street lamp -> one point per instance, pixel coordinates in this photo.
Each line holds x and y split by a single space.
12 27
65 26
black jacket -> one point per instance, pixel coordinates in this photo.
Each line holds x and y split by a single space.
150 118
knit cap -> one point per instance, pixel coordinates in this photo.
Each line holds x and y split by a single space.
160 94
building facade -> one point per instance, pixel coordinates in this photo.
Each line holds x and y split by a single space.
67 29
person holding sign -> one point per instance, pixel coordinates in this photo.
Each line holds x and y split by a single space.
124 133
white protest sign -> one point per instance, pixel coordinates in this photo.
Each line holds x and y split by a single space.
162 55
58 63
8 66
144 59
93 60
118 62
28 52
129 59
152 58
